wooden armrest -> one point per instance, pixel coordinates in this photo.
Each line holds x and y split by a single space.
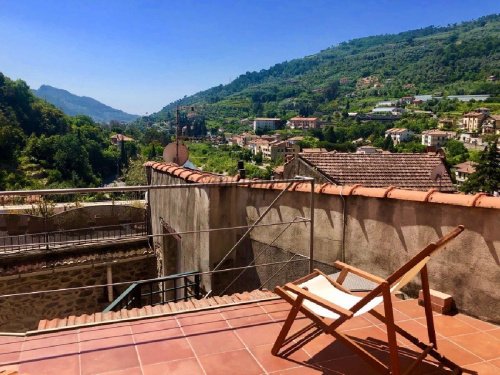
318 300
357 271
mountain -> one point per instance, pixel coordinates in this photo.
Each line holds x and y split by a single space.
72 105
353 75
41 147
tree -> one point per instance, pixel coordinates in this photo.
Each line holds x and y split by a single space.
258 157
486 178
388 144
456 152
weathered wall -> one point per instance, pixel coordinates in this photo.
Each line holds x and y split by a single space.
379 235
383 234
183 210
18 314
83 217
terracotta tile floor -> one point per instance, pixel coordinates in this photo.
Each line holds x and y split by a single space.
238 340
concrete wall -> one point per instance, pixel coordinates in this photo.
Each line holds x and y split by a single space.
19 314
82 217
379 235
183 210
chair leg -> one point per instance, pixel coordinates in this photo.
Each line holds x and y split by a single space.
391 331
427 306
287 325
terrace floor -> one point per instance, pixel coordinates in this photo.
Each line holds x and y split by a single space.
238 340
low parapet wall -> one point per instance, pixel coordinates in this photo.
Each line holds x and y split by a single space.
372 228
76 218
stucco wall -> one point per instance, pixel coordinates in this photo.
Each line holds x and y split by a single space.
82 217
183 210
18 314
376 234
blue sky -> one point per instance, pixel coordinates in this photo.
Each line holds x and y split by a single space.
140 55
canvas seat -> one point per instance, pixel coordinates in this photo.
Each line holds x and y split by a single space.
328 304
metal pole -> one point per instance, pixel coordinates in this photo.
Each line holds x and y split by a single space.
253 226
311 229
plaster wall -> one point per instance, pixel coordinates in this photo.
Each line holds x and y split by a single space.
183 210
378 235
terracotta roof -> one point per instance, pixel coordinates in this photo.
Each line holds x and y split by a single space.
408 171
474 114
439 132
187 174
313 150
466 167
304 119
396 130
71 260
169 308
432 195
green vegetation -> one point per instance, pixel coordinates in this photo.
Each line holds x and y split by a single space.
434 60
42 147
223 159
486 178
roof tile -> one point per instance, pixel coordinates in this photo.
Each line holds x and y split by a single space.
407 171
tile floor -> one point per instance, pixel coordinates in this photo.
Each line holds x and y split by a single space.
238 340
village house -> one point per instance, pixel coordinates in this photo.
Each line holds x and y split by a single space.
407 171
472 121
399 135
256 145
367 150
295 140
303 123
117 139
279 150
264 123
491 125
243 139
463 171
446 123
436 138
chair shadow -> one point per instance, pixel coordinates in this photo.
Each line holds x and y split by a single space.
338 358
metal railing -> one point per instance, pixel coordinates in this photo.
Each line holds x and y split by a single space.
55 240
172 288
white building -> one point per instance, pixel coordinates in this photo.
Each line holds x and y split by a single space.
436 138
263 123
399 135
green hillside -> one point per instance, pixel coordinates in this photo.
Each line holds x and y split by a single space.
455 59
73 105
42 147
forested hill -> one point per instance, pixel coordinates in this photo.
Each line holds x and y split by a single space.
72 105
42 147
450 60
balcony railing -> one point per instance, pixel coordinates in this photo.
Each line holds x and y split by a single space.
55 240
172 288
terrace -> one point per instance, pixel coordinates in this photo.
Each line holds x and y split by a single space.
274 232
237 339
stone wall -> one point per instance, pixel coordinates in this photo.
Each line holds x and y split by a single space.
376 234
19 314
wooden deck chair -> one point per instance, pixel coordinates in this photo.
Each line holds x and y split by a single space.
328 304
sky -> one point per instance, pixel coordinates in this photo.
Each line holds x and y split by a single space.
138 56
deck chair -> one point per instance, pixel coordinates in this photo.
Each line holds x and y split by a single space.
329 304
